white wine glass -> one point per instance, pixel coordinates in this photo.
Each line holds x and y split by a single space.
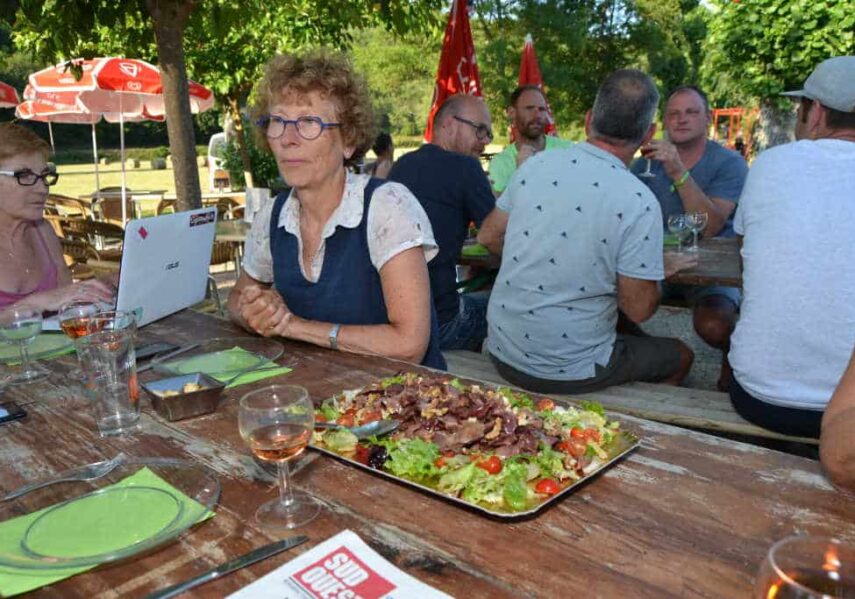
20 326
806 567
277 423
697 222
678 226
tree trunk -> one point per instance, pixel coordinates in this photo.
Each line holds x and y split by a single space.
169 18
776 126
234 111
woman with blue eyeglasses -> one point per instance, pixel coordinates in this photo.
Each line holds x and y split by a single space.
341 260
33 273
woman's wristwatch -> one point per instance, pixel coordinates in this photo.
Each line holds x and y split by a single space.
333 336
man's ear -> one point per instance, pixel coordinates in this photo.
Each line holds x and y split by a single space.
816 118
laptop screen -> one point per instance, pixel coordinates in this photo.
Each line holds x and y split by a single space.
165 262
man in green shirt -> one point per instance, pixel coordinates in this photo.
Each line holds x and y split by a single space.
528 114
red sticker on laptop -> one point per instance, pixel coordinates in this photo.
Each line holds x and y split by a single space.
340 573
142 232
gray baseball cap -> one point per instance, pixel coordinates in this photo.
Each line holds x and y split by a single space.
832 83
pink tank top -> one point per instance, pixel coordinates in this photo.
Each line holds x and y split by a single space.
47 282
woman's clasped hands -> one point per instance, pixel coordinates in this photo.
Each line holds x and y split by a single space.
264 311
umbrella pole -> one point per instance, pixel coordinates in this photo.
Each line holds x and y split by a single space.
95 159
124 189
50 132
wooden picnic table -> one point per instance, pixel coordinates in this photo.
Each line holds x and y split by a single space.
718 264
686 514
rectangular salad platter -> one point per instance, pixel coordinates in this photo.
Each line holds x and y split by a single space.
493 450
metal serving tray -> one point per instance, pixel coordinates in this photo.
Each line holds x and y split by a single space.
624 442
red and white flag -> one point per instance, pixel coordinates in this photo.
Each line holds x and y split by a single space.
530 75
458 69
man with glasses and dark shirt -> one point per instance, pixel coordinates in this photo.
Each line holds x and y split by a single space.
447 179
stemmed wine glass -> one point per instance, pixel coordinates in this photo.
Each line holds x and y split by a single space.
77 319
277 423
647 174
805 567
679 227
697 222
21 325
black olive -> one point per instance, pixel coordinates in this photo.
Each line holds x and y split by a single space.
377 457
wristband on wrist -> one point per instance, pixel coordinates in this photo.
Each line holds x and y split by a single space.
678 183
333 336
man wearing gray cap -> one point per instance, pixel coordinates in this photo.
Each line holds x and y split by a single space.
797 218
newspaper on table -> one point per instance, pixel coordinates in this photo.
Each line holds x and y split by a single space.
342 567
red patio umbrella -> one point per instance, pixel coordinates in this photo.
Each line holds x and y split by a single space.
530 75
458 69
8 96
124 87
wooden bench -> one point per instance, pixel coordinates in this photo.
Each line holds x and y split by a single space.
693 408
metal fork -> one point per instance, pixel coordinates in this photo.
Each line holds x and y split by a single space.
84 473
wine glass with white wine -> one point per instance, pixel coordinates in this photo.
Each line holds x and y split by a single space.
277 423
20 326
678 226
805 567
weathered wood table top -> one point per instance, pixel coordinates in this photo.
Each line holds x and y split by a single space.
232 230
686 514
718 264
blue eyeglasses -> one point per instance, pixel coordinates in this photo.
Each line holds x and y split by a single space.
308 127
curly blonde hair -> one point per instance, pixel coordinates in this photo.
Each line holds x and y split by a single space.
16 139
332 75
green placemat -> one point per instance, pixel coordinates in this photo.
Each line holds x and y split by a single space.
475 250
223 365
14 581
44 347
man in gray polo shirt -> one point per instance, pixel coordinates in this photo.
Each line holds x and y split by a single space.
692 173
581 237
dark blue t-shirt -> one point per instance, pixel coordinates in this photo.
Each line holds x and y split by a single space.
454 191
720 173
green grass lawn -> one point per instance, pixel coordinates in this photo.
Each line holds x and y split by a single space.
79 179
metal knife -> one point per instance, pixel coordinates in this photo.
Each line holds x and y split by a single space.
172 354
247 559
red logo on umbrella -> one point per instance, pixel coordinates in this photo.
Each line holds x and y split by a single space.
129 69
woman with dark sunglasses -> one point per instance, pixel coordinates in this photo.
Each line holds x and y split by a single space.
33 272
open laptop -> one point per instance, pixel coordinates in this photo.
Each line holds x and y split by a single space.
165 262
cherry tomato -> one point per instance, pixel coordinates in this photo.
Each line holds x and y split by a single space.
592 434
577 433
370 416
574 447
546 486
320 418
545 404
362 453
347 419
448 454
493 465
440 462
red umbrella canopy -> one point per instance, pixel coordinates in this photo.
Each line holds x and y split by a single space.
458 69
530 75
8 96
126 86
